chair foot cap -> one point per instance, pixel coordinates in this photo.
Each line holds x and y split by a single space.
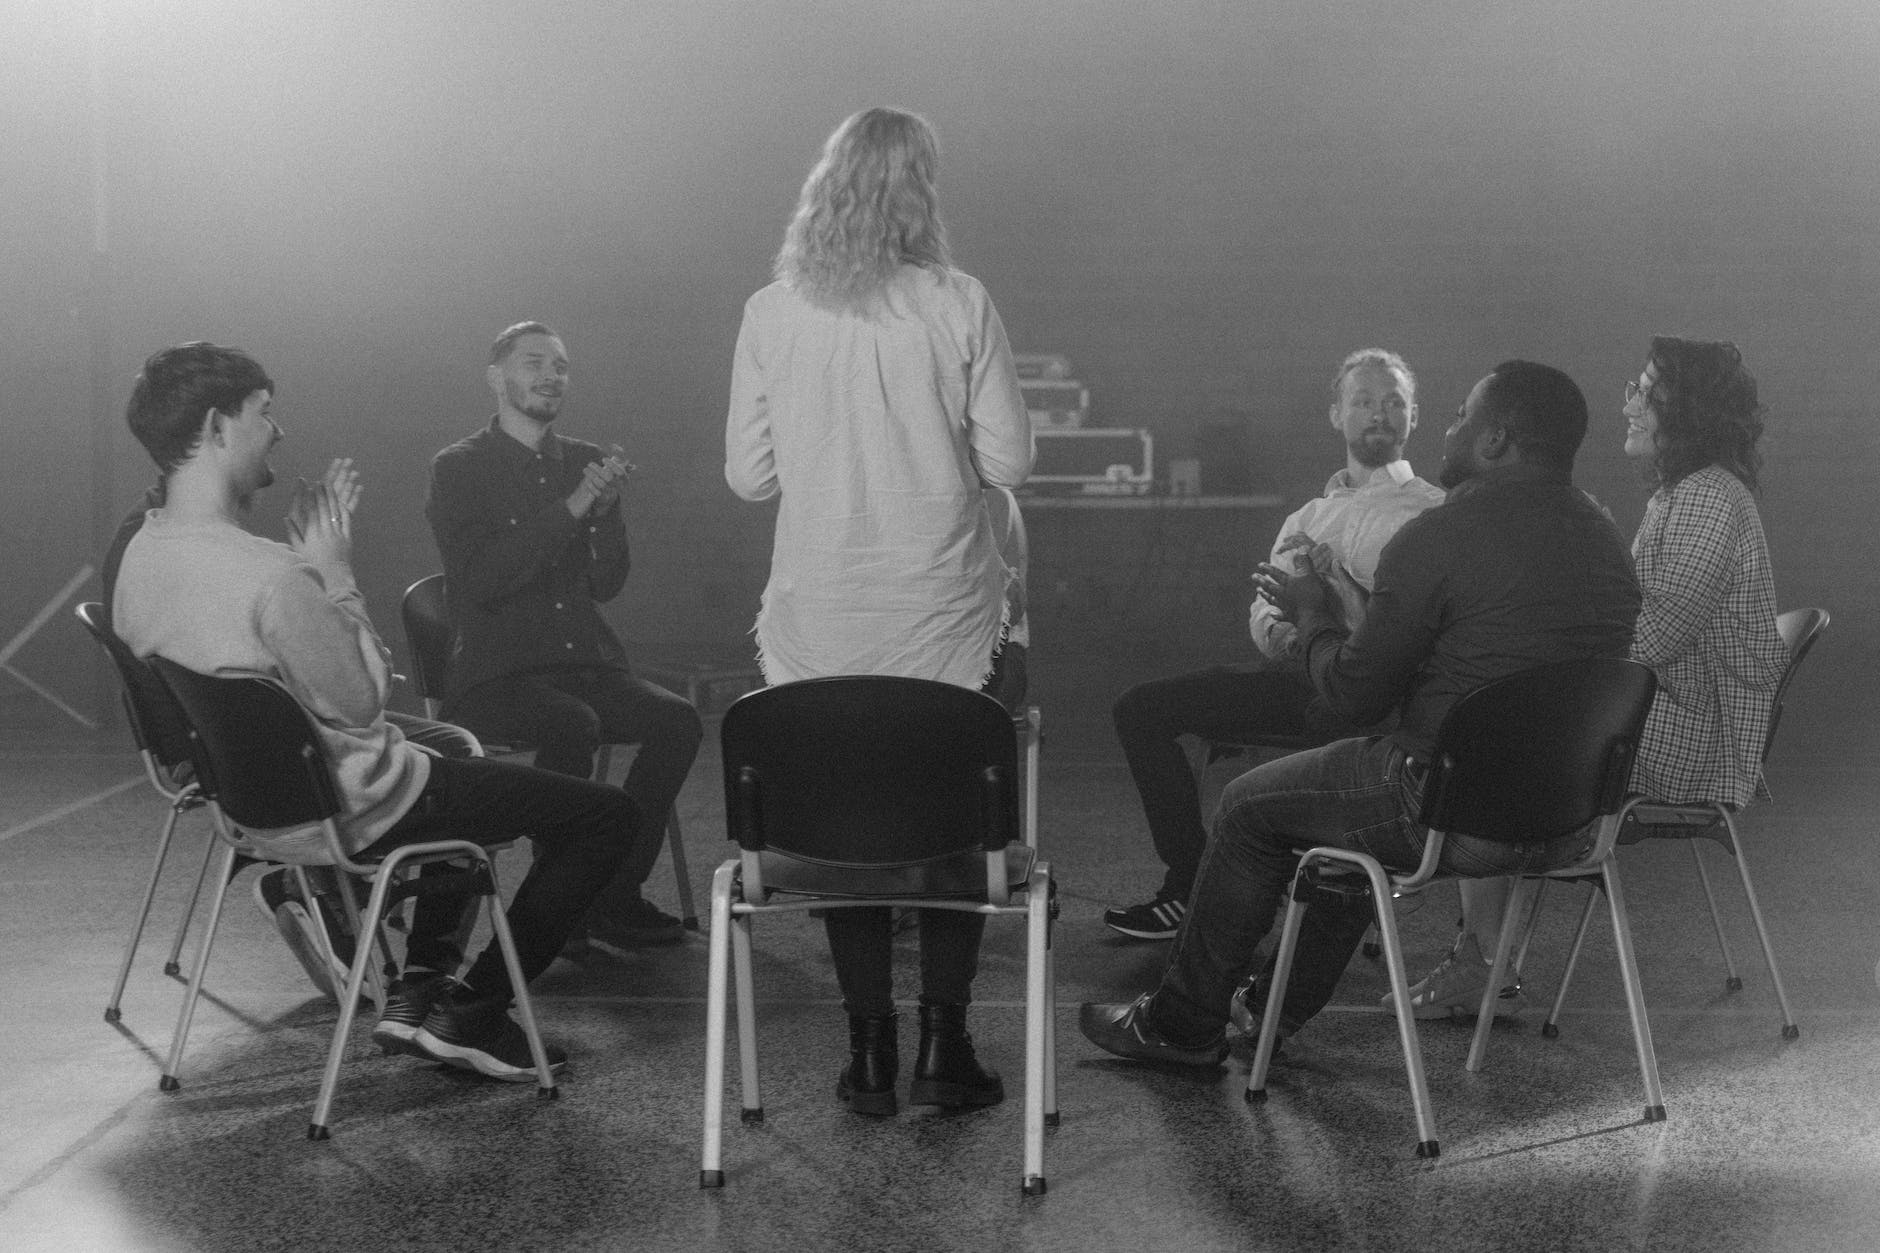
168 1084
1551 1030
1429 1149
1654 1113
1051 1119
1034 1185
1791 1032
1733 984
550 1093
317 1132
113 1014
711 1178
1255 1095
171 968
750 1117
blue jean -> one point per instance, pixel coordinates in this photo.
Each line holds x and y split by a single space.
1359 794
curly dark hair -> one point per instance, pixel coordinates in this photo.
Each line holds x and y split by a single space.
1707 410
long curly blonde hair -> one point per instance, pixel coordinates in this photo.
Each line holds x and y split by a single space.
868 207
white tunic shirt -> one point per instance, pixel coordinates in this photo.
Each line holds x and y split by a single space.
878 430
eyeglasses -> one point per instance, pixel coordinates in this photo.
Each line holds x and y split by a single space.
1633 391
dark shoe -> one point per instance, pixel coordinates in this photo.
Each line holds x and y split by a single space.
947 1073
867 1083
278 895
1158 919
1125 1031
480 1035
408 1002
637 924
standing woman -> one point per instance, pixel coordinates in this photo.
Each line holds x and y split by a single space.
873 390
1707 626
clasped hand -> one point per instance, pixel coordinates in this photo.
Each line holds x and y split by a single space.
319 518
600 483
1317 583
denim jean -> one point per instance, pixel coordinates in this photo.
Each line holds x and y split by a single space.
568 714
1358 794
581 832
1234 704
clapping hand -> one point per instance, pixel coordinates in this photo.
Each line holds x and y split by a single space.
1348 595
319 519
599 488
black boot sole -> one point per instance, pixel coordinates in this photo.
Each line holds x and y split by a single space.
874 1104
954 1095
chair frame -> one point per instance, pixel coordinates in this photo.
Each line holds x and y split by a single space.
315 793
739 894
1800 628
432 638
1384 885
139 692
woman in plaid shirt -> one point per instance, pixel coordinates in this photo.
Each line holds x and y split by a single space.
1708 625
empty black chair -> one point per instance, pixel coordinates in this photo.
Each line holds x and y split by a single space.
1526 759
873 790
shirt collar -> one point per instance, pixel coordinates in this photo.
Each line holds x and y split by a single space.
518 451
1397 472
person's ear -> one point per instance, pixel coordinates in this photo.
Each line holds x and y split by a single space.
1493 443
212 426
1410 420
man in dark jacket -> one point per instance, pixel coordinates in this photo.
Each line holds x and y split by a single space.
1517 568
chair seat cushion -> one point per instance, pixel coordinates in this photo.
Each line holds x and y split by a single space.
961 874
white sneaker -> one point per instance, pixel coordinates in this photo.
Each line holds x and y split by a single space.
1454 987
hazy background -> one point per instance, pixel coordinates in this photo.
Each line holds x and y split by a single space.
1205 203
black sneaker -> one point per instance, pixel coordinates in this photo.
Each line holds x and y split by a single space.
408 1002
480 1035
1154 920
638 924
278 895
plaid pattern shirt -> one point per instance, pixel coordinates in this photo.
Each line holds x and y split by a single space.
1708 628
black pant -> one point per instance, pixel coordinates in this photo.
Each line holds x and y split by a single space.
568 714
1234 704
861 944
582 832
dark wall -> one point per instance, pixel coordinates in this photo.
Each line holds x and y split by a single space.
1203 202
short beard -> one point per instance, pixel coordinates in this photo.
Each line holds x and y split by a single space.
1367 452
535 408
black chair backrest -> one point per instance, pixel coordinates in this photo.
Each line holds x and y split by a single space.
256 751
870 770
429 634
1538 754
1798 628
157 724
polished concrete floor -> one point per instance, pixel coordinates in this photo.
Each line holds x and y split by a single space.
1770 1144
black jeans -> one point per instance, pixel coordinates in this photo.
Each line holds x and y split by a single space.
1235 704
861 943
582 831
568 714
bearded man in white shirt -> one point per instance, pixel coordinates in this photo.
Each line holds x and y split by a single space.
1373 410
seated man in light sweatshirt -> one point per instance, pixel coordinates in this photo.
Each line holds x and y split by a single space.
199 589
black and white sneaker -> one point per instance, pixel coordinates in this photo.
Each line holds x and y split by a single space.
278 895
408 1002
1153 920
480 1035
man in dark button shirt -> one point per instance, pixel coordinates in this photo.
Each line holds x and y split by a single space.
1517 568
529 526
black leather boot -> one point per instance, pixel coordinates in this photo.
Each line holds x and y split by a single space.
947 1073
867 1084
